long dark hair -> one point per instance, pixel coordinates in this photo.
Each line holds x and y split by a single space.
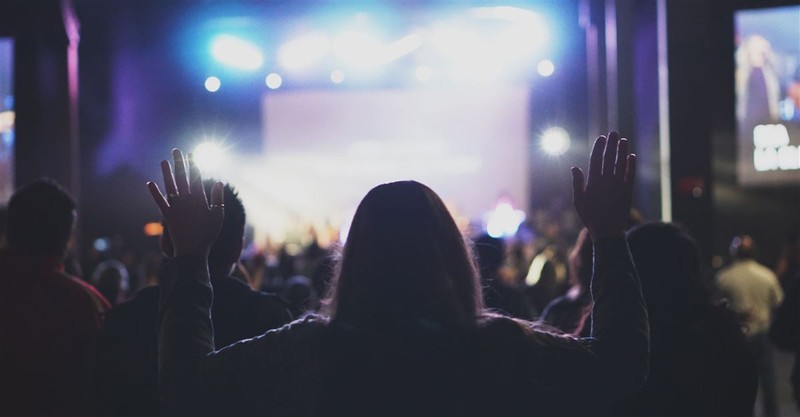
405 262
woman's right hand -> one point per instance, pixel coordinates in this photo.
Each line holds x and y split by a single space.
603 201
193 224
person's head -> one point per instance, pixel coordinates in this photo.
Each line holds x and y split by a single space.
491 253
228 247
300 293
405 261
580 260
111 279
40 219
668 265
742 247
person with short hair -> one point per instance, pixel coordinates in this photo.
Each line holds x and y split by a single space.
49 320
128 348
753 292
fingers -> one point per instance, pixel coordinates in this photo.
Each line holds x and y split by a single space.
216 194
217 201
196 180
596 158
610 153
621 163
169 180
181 181
577 189
630 170
161 202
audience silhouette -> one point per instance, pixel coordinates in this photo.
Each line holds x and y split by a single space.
700 363
49 321
785 331
128 349
571 312
405 330
753 292
497 295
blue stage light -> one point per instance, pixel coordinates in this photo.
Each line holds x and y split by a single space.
212 84
236 52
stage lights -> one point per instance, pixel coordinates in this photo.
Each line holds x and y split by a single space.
337 76
209 156
212 84
546 68
474 44
555 141
504 220
400 48
423 73
273 81
236 52
358 50
304 51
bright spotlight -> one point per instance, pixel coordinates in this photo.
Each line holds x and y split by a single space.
212 84
400 48
555 141
337 76
358 50
236 52
546 68
423 73
304 51
208 156
504 220
273 81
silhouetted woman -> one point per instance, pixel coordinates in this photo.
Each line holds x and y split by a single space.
405 331
700 364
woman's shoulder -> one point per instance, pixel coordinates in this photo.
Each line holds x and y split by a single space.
305 326
499 327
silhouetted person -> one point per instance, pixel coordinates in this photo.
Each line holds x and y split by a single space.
571 312
112 280
49 321
302 297
700 362
405 331
753 292
497 295
788 266
128 359
785 331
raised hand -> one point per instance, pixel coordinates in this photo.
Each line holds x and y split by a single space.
193 224
604 202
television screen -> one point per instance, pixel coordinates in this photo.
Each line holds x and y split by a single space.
767 78
6 119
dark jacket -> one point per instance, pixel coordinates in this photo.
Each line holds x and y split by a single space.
128 350
785 331
317 367
699 366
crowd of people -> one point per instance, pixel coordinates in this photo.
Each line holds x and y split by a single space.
407 317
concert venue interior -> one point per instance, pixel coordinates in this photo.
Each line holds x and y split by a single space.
304 106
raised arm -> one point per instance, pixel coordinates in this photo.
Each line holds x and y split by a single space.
617 362
185 332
